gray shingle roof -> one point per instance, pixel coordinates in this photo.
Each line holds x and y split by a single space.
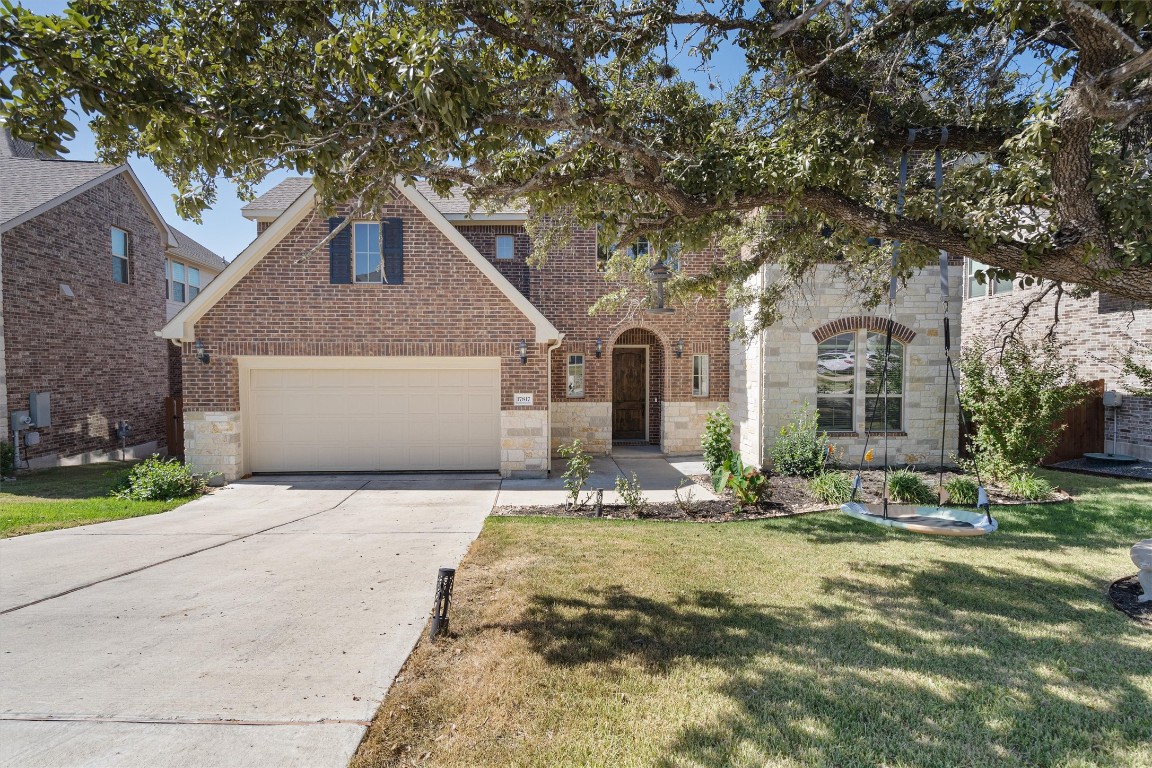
285 193
29 179
189 249
280 196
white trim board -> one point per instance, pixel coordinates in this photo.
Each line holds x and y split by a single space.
182 326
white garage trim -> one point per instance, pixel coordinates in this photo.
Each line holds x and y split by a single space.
445 413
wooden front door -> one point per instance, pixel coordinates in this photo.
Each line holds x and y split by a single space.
629 367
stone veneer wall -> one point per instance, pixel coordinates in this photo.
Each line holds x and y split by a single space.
746 360
523 443
212 442
789 366
683 425
591 423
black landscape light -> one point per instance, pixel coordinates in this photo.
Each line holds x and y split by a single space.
444 581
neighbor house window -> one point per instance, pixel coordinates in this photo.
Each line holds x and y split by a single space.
700 375
575 375
119 255
183 282
846 391
505 246
990 287
366 252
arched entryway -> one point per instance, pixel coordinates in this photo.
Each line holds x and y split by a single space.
637 387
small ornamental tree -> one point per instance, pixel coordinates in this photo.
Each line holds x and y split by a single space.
1016 401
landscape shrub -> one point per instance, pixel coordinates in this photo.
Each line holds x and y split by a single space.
7 459
908 487
802 447
716 442
831 487
962 491
1016 399
156 479
1028 487
631 494
748 484
577 471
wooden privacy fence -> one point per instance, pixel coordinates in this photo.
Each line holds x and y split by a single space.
174 425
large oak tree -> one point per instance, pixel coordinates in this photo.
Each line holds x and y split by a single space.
583 108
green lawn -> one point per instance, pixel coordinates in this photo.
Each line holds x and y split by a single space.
62 497
808 641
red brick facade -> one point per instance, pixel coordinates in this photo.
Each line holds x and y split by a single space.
97 352
286 306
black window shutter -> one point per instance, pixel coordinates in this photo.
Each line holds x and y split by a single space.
339 253
392 250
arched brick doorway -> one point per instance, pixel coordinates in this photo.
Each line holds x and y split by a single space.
637 387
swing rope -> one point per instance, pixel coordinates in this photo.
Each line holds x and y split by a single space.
893 285
981 494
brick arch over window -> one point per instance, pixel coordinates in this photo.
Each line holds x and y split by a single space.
870 322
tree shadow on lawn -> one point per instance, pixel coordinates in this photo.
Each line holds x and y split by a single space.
935 664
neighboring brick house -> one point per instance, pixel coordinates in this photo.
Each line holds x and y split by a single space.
825 355
188 268
1095 331
82 253
419 339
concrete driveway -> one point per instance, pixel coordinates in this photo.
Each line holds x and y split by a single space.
259 626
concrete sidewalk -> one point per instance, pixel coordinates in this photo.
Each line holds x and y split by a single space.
659 477
258 626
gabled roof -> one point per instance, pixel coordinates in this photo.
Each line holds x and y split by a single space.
188 249
32 182
182 326
454 206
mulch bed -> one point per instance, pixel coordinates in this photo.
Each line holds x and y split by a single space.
1124 593
790 496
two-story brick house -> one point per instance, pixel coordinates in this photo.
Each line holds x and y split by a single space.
419 339
83 254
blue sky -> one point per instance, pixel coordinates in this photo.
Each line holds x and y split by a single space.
225 231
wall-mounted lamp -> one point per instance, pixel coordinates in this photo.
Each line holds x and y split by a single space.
201 353
599 347
660 274
523 352
679 347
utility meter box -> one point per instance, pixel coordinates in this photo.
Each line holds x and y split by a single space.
40 409
1112 399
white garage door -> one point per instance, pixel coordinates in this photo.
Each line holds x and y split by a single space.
439 414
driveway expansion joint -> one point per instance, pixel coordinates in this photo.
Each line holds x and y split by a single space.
178 557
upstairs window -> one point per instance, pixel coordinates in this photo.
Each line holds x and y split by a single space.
575 375
990 287
183 282
119 255
505 247
641 247
366 267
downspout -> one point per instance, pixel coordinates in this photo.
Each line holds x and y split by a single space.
548 390
762 457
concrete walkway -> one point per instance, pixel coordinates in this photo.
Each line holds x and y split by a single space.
659 477
259 626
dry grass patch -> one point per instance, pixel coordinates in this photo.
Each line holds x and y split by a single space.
812 640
